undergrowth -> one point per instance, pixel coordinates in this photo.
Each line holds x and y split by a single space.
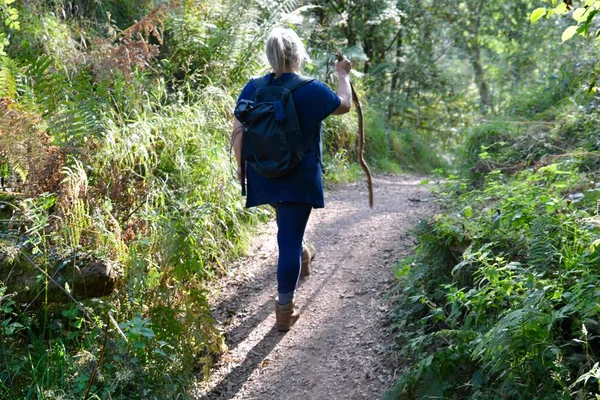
387 149
107 161
500 299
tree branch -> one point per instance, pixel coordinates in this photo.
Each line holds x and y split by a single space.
444 52
381 54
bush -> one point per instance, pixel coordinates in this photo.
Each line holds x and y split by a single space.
499 300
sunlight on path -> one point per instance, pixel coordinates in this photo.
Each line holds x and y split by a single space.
337 348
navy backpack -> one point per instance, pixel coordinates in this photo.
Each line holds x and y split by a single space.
272 143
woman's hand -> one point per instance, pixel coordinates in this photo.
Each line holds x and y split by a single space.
343 67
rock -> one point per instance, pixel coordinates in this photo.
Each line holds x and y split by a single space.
85 279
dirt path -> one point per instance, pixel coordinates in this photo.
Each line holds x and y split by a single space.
336 349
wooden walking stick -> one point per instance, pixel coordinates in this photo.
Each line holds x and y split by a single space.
361 135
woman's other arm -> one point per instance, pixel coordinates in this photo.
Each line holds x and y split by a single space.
237 135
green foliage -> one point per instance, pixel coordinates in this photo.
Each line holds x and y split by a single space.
210 43
583 15
121 161
539 125
339 169
500 299
387 149
114 125
180 156
9 21
506 283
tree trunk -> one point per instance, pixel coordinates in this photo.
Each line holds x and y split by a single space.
395 78
485 97
368 50
474 52
349 32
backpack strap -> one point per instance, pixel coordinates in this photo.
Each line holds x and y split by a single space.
259 82
296 82
243 176
291 84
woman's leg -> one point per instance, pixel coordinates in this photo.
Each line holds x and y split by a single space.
291 223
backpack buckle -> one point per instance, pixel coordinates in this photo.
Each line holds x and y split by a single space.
242 109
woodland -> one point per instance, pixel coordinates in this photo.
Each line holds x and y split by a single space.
118 197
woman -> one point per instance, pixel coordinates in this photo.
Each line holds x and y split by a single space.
295 194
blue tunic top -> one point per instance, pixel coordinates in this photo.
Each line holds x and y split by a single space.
314 102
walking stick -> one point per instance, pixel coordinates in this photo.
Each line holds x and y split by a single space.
361 135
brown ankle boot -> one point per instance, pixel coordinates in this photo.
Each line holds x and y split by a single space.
308 254
285 316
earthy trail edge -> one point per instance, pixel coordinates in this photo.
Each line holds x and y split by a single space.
336 349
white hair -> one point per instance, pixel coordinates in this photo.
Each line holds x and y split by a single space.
285 49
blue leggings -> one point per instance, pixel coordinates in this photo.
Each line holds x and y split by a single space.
291 223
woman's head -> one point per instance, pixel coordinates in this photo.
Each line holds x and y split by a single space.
285 50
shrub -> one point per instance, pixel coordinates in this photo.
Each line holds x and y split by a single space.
499 300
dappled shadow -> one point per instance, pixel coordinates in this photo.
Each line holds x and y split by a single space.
234 380
237 304
339 328
239 333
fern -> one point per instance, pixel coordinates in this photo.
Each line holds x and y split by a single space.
523 335
543 254
47 86
76 122
8 80
222 42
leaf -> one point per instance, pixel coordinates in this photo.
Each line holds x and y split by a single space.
70 313
569 33
537 14
78 323
468 212
579 14
14 327
139 345
561 9
147 332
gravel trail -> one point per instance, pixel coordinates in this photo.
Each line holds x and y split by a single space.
336 350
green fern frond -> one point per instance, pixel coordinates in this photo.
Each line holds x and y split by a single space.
511 338
74 123
8 81
46 85
543 254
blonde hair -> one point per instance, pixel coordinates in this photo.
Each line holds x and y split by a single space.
285 49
